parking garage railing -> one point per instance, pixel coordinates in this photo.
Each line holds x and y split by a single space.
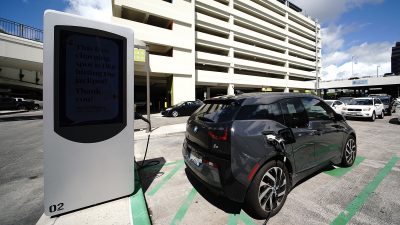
20 30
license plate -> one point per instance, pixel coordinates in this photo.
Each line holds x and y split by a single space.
197 160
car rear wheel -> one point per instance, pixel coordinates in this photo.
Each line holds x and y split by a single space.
268 190
175 113
349 152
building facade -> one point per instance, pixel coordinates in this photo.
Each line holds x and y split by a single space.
396 59
203 48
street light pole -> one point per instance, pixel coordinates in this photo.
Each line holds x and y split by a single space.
352 62
377 70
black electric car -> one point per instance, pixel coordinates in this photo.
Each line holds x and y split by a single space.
254 147
182 109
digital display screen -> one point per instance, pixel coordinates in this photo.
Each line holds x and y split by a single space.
90 78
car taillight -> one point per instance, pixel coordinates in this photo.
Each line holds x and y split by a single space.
218 134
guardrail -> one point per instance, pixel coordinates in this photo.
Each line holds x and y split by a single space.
20 30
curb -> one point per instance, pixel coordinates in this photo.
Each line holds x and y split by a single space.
13 112
144 137
140 214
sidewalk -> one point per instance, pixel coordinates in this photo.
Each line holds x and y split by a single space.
162 131
129 210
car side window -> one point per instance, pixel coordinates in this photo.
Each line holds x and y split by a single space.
316 109
294 114
261 112
338 103
378 101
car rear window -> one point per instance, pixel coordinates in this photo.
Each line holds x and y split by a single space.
217 112
261 112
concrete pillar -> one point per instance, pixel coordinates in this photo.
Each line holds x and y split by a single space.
183 89
286 90
231 89
208 92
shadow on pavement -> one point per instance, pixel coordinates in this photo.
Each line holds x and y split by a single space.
20 118
214 198
394 121
150 171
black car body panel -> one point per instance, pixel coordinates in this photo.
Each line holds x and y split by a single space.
228 160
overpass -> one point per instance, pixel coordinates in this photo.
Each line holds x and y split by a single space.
365 85
21 59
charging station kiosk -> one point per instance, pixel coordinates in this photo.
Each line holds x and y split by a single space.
88 112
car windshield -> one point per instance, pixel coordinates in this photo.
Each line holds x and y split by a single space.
329 102
179 104
385 101
361 102
345 100
217 112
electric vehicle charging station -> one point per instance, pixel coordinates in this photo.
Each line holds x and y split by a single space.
88 112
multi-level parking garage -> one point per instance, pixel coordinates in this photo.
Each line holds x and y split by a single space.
203 48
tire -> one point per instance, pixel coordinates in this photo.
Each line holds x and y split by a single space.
382 115
349 152
261 209
36 107
373 117
175 113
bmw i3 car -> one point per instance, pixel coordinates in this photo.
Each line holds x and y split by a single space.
253 148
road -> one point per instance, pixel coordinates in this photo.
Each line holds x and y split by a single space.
21 164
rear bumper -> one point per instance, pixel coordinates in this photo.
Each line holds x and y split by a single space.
218 179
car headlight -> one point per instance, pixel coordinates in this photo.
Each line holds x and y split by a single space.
344 108
367 109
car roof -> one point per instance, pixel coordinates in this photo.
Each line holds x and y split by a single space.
260 97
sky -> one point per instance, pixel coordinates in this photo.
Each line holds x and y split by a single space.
358 33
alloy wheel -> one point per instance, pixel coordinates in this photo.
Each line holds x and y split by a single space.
272 189
175 114
350 152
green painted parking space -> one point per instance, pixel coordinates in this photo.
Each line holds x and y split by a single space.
184 207
355 205
166 178
340 171
139 212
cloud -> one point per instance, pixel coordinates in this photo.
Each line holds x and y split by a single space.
367 56
93 9
329 10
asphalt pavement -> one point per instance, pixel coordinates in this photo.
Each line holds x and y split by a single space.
366 193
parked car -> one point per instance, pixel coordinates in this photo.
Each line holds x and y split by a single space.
182 109
388 104
255 147
368 107
335 105
345 100
8 103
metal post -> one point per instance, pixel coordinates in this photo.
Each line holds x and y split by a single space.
352 61
377 70
148 88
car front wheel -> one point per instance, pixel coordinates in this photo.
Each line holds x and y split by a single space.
382 115
175 113
373 117
268 190
349 152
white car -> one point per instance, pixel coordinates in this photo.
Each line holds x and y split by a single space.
364 108
335 105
